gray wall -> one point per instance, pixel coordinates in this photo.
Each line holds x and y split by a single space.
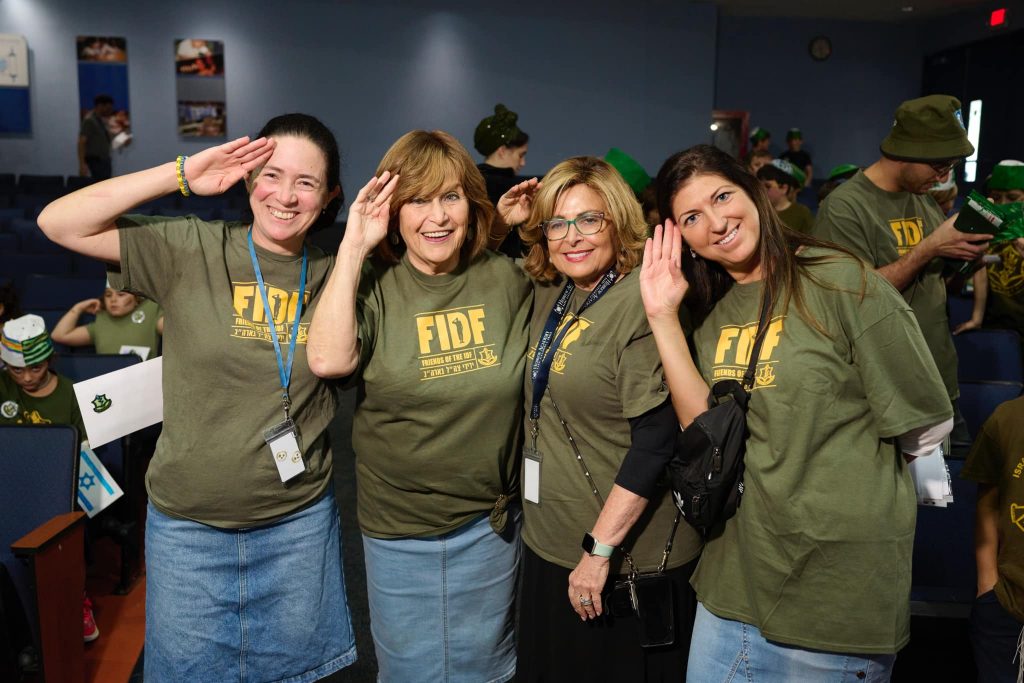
583 76
844 105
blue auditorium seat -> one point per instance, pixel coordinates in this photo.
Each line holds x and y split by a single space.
9 243
41 184
14 264
960 310
89 267
57 291
944 576
989 355
77 182
40 466
979 399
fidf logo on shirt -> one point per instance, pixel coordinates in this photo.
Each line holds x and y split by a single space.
735 344
250 320
908 231
451 342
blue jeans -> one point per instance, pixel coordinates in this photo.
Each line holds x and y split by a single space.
725 650
442 607
260 604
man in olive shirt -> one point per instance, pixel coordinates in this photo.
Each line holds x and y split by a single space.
94 140
885 216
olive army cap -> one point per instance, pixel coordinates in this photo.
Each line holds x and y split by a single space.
928 129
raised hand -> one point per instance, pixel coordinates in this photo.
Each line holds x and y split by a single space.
216 169
514 206
662 283
369 214
88 306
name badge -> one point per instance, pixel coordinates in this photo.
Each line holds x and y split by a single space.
531 474
283 440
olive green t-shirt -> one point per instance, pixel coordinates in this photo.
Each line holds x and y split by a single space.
60 407
436 429
1005 306
797 217
818 554
997 458
221 385
138 328
879 227
605 371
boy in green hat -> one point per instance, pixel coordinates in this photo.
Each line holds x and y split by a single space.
885 215
31 392
999 287
796 154
780 178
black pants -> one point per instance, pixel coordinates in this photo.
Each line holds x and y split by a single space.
994 634
99 169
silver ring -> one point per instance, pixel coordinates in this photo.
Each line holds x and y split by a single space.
586 602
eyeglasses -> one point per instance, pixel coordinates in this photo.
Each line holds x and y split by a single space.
587 223
941 168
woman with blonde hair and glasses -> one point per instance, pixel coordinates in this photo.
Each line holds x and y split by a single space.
433 328
599 430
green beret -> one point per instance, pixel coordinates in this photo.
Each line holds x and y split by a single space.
928 129
1007 175
797 174
759 134
495 131
843 171
631 171
794 134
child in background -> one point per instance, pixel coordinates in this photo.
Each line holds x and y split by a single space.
780 178
758 159
124 323
796 155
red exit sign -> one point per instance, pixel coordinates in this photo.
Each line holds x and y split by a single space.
997 18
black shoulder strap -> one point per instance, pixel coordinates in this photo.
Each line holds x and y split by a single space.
762 331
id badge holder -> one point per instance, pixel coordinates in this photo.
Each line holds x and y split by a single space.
283 440
531 471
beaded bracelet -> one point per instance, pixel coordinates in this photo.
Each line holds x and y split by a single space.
182 180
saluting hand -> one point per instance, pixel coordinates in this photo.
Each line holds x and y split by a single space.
370 213
216 169
662 283
514 206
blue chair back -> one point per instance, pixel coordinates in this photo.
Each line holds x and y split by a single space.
13 263
989 355
83 366
978 400
944 569
41 184
54 291
960 310
40 479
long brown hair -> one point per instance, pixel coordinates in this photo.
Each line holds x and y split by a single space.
782 266
427 161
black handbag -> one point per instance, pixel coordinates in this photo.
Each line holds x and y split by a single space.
706 471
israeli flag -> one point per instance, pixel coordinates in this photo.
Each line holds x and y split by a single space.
96 488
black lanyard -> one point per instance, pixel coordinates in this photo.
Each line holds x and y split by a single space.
542 360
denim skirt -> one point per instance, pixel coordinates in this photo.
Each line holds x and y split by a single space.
442 607
723 651
260 604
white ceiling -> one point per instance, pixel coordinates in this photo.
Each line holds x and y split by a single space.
857 10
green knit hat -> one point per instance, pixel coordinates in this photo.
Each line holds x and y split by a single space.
928 129
1007 175
759 134
843 171
794 134
496 130
797 174
25 341
630 170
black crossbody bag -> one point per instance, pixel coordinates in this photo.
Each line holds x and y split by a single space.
706 471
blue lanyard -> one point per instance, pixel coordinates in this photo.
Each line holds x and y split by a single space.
541 369
284 371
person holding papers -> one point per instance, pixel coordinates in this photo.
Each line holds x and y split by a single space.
242 539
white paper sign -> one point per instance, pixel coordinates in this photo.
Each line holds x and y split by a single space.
140 351
13 61
96 488
122 402
931 479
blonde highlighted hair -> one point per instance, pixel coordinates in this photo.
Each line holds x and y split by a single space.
623 214
430 161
